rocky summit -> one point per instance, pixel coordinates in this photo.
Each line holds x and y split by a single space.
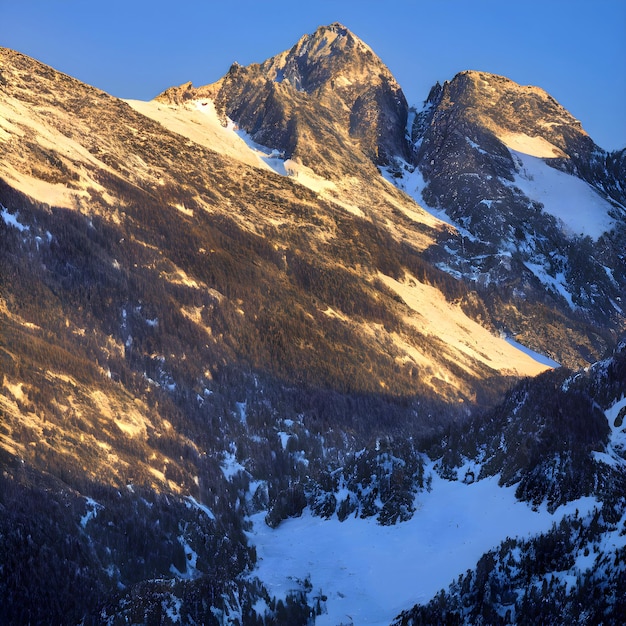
259 338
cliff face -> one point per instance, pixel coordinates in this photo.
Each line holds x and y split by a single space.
323 102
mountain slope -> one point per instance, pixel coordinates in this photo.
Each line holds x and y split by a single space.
519 175
555 447
213 307
521 231
132 173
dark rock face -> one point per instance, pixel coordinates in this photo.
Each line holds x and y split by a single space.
330 86
462 155
464 145
336 68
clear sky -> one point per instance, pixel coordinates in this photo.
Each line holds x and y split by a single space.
574 49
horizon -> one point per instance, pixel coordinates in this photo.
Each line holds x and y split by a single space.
138 50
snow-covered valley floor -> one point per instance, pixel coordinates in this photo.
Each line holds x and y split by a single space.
370 573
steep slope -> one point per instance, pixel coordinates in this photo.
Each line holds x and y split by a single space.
174 316
521 233
556 438
131 173
541 206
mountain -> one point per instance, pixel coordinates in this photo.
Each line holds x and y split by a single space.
328 99
541 205
240 302
530 198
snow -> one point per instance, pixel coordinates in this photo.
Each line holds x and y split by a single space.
616 448
11 220
533 146
230 466
92 511
370 573
199 121
413 184
20 119
260 607
242 408
433 315
537 356
192 502
191 558
557 283
172 605
284 439
578 207
274 159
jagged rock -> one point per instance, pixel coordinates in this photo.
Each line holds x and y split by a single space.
330 85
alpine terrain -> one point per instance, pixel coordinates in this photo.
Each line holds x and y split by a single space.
284 349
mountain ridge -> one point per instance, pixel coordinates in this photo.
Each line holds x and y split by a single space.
214 306
514 238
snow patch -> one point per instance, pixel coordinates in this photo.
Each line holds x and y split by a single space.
411 181
537 356
433 314
199 121
557 283
191 559
372 572
230 466
172 605
616 448
193 503
284 439
93 508
11 220
577 206
241 408
532 146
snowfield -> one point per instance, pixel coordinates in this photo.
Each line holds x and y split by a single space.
580 209
198 120
370 573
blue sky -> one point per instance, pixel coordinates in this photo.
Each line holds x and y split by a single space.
575 50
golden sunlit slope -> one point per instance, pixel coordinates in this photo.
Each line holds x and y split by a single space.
71 146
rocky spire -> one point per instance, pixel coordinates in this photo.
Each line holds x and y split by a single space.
329 83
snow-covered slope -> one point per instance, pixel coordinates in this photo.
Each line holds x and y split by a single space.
577 206
433 315
199 122
369 573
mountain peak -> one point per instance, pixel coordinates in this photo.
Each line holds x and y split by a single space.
346 76
331 56
335 27
508 107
